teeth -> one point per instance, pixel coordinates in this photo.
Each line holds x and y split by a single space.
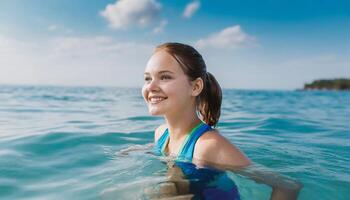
156 99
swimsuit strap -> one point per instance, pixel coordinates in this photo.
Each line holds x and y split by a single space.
187 150
161 143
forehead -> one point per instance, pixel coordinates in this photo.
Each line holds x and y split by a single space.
162 61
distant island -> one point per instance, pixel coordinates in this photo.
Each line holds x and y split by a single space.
328 84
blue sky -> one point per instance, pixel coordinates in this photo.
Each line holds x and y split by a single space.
246 44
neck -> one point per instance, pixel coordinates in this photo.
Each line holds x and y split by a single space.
181 123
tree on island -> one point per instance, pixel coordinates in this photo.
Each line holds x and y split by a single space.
328 84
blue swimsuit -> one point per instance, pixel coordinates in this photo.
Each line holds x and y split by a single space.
205 183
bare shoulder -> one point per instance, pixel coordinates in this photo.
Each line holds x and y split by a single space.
215 148
159 131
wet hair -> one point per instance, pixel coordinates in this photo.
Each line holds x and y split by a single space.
193 65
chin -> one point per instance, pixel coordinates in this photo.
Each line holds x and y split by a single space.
155 112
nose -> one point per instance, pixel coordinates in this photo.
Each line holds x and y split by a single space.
153 85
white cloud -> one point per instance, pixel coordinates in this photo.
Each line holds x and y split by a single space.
60 29
310 61
273 70
52 27
127 13
96 49
106 61
160 28
18 60
231 37
9 46
73 61
78 45
191 8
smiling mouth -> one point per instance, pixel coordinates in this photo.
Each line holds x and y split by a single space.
155 100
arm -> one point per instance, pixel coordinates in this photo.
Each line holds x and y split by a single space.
216 151
283 187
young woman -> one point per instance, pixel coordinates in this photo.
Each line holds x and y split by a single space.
179 87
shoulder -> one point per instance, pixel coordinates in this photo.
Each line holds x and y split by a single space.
214 148
159 131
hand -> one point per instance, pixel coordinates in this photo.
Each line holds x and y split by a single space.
279 193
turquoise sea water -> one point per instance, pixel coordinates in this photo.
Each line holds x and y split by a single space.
69 142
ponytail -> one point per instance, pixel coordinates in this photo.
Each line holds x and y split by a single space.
210 100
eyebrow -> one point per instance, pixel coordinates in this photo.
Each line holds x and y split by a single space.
161 72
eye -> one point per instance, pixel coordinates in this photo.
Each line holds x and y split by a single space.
147 79
165 77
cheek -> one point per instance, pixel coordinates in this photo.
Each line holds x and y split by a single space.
144 92
180 91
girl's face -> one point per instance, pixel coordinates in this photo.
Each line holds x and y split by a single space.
167 89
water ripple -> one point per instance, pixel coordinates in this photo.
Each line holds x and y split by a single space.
65 143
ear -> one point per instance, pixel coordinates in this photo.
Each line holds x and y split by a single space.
197 86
